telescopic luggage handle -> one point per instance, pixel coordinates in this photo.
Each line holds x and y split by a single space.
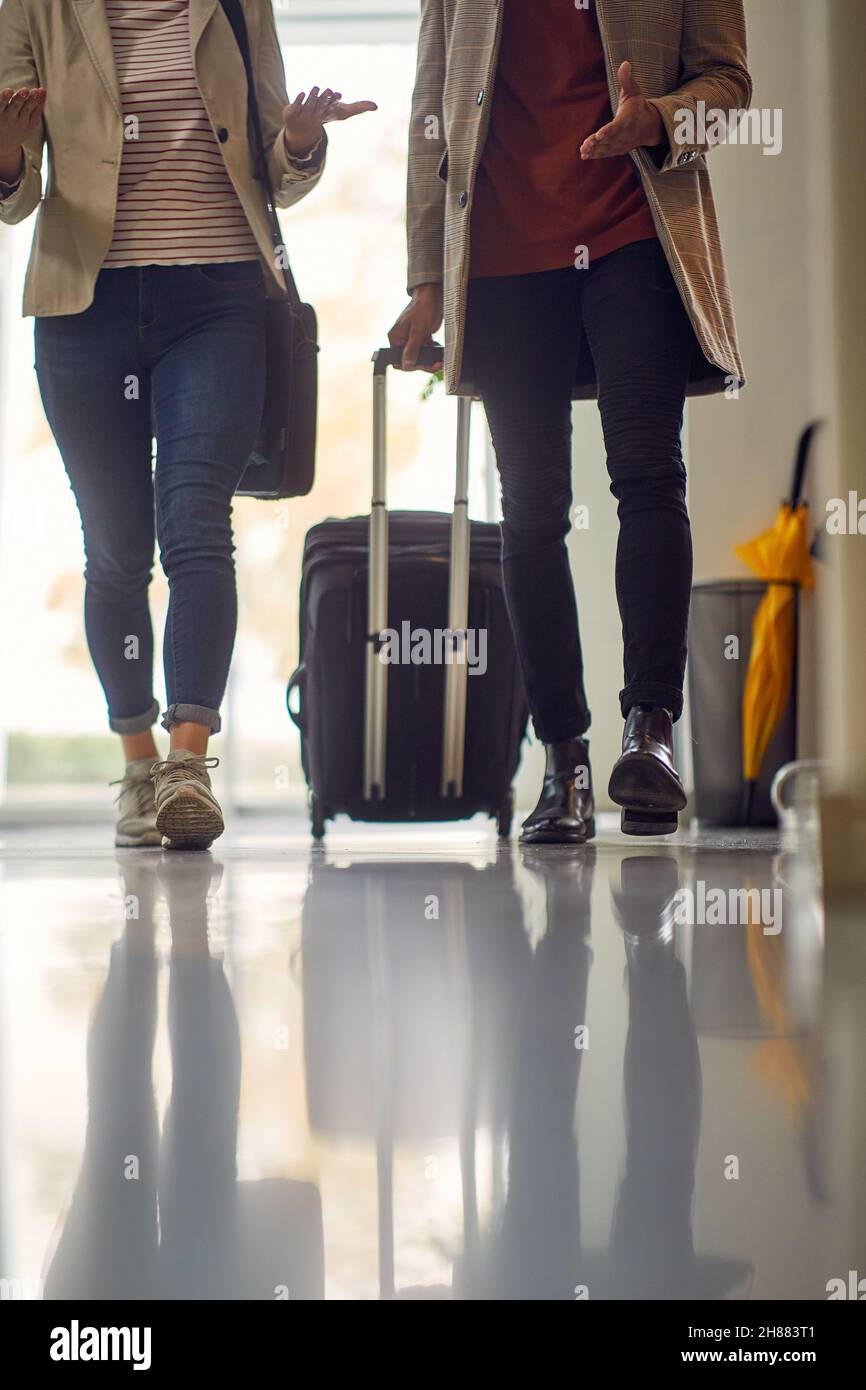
428 357
456 671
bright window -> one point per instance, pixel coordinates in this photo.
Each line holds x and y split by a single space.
348 249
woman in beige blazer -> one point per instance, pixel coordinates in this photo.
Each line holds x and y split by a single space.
151 261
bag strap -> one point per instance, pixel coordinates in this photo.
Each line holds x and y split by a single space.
235 16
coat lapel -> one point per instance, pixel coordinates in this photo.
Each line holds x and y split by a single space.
611 15
93 22
625 35
200 12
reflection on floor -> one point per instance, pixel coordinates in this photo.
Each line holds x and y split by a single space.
419 1065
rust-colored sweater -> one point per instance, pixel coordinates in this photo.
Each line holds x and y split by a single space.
536 202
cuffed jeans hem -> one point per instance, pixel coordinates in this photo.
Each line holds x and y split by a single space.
652 693
192 714
137 724
559 730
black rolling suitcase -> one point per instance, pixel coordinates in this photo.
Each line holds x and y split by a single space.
394 740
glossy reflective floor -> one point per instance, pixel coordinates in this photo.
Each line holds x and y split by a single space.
416 1064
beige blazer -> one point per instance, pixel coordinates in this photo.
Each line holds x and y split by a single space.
681 52
65 47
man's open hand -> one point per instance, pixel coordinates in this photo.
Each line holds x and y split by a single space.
636 124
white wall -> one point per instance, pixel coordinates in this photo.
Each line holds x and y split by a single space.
742 450
773 212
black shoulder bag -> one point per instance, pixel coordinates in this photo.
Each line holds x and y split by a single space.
282 463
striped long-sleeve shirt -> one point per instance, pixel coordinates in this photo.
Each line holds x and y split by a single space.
176 204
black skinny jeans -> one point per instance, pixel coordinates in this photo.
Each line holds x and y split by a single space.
524 338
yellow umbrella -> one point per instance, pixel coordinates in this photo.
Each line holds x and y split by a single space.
785 1061
780 556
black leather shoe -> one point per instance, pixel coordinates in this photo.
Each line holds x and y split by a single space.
565 814
644 780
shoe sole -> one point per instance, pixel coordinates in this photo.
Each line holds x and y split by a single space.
640 782
189 822
558 837
650 795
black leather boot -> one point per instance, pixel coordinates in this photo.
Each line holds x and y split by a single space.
644 904
565 814
644 780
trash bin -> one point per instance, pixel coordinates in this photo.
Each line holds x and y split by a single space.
722 610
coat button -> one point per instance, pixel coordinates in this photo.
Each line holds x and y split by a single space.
479 100
463 200
222 135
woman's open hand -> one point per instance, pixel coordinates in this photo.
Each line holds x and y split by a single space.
304 120
20 114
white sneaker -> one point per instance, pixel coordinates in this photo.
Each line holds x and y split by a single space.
188 814
136 807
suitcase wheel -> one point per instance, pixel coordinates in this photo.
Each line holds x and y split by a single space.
505 815
317 818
